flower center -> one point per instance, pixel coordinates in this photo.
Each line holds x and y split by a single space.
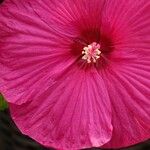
91 52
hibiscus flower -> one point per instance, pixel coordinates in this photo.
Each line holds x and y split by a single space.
76 72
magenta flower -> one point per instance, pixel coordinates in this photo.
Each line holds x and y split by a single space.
76 73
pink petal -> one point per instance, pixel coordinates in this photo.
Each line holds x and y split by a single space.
127 78
67 110
31 53
82 14
129 93
74 113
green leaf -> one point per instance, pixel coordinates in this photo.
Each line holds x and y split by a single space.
3 103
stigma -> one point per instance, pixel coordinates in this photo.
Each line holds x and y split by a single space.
91 53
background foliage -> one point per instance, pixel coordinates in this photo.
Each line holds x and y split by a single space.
3 103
